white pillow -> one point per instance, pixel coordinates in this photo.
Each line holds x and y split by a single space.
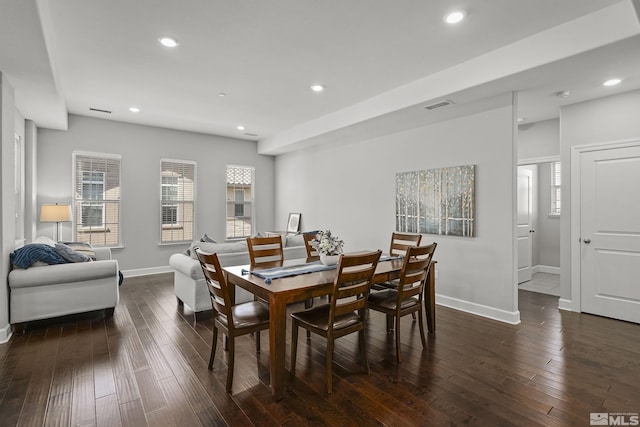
46 241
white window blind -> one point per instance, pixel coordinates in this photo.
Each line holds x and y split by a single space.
239 201
96 203
177 200
555 188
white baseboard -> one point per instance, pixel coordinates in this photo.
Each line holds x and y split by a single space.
5 334
565 304
511 317
545 269
147 271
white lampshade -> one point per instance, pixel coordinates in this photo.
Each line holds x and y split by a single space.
55 213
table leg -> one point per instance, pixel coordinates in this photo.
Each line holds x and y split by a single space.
277 345
430 300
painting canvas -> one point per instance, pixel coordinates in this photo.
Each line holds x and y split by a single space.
437 201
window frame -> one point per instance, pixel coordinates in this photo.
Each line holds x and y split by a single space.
231 203
80 230
556 189
184 223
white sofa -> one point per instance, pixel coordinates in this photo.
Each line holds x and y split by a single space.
189 285
41 292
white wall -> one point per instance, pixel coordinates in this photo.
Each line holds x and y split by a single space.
539 139
536 141
609 119
350 189
7 207
547 235
141 148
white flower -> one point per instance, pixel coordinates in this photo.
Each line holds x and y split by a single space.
327 244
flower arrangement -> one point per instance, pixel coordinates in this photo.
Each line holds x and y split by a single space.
327 244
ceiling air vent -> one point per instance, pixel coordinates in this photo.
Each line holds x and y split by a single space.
438 104
98 110
251 134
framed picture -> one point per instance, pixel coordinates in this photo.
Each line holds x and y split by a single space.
293 224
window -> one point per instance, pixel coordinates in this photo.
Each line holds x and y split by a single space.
239 201
96 203
177 200
555 188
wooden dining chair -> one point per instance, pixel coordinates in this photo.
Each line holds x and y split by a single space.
312 253
400 242
345 313
407 298
265 252
234 321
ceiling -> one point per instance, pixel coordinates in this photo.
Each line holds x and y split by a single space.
380 62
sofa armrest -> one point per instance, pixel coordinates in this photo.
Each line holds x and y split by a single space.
62 273
102 253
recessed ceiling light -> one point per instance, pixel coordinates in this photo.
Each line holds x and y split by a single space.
612 82
222 94
168 41
561 94
240 127
521 119
455 17
317 88
134 109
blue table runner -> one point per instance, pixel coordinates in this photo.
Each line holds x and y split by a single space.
295 270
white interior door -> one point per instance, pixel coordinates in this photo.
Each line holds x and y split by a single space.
610 232
524 228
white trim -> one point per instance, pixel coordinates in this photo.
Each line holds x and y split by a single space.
565 304
5 334
576 152
147 271
536 160
511 317
545 269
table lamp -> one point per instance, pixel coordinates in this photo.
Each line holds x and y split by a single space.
55 213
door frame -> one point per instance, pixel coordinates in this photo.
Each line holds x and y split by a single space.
576 202
535 161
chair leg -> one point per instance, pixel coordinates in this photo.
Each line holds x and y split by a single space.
363 351
413 315
421 324
389 323
214 344
308 303
257 341
226 342
398 355
329 364
232 344
294 345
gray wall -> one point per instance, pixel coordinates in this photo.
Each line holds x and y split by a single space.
541 140
350 189
547 235
8 206
609 119
141 148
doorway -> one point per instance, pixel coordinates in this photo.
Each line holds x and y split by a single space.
538 230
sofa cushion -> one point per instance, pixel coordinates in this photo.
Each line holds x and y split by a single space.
219 248
71 255
31 253
294 240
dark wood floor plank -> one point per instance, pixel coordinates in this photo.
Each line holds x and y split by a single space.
147 365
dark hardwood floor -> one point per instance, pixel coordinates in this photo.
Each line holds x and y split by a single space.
148 366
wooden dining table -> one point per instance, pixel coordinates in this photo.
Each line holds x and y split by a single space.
286 290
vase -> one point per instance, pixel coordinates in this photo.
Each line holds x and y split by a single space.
329 259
